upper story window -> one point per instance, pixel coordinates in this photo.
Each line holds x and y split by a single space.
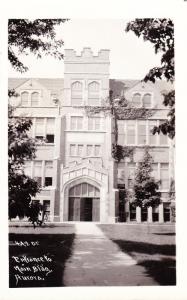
142 132
44 128
76 93
146 100
152 138
25 99
93 93
35 99
76 123
94 123
130 132
136 100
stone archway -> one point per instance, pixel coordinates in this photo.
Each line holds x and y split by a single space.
97 204
84 203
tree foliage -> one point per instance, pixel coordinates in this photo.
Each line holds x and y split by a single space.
37 37
33 36
160 32
145 187
20 148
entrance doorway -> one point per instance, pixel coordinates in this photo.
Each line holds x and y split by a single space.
84 203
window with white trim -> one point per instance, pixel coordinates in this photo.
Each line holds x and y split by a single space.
146 100
154 172
130 132
44 129
39 128
164 176
76 93
163 137
131 167
94 123
35 99
76 123
50 129
136 100
72 150
48 173
152 138
141 132
80 149
37 171
24 98
93 93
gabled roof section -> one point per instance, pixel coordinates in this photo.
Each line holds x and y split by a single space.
48 83
120 86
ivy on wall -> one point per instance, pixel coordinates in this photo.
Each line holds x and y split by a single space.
120 109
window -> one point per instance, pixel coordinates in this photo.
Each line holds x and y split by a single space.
167 212
84 190
147 101
89 151
46 209
93 93
50 129
37 172
152 138
131 174
94 123
132 212
34 99
163 137
39 128
144 214
76 93
141 132
164 175
27 168
25 99
130 132
155 170
48 181
97 150
76 123
80 150
136 100
155 214
72 150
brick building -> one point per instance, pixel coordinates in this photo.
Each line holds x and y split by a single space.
80 180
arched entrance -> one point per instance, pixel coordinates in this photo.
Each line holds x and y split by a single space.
84 203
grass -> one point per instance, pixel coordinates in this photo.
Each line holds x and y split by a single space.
56 246
153 247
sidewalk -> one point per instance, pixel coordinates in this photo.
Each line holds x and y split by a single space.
97 261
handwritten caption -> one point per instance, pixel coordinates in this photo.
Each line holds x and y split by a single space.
31 268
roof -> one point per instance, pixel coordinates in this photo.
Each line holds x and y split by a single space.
117 85
49 83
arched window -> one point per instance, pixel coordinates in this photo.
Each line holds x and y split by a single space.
93 93
76 93
34 99
136 100
24 99
147 100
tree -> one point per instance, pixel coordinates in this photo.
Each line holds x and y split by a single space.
20 148
145 187
39 38
160 32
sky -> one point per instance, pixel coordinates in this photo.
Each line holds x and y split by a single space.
130 56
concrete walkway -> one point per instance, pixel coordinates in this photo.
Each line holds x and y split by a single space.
97 261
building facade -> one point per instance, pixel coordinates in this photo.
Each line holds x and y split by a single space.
80 180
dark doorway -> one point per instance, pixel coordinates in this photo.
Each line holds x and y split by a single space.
86 209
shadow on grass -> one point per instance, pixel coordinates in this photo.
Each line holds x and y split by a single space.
165 233
146 248
57 247
163 270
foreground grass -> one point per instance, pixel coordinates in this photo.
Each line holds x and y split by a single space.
50 251
153 247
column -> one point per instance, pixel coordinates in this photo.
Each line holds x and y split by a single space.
138 214
150 214
161 213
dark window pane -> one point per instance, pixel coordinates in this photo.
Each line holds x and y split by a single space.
48 181
50 138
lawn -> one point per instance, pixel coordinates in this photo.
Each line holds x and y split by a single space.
37 256
153 247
